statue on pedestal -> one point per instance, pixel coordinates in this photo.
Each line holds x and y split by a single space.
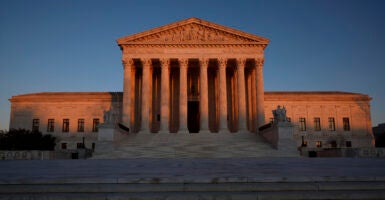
110 116
107 117
280 114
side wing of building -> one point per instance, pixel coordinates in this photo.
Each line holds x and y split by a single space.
69 116
325 119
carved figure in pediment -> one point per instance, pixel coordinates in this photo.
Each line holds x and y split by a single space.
190 33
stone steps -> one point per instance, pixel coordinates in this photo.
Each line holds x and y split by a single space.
210 145
230 178
259 190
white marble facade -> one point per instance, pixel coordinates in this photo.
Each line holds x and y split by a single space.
194 76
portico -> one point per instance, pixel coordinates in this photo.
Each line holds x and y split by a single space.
193 76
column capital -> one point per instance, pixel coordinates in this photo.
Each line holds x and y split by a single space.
259 62
147 62
204 62
165 62
241 62
183 62
222 61
129 62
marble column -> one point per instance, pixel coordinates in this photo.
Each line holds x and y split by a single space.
165 96
260 93
223 127
146 95
128 64
242 123
204 95
133 98
253 84
183 65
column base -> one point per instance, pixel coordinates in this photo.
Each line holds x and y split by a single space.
145 132
204 132
243 131
163 132
183 132
224 131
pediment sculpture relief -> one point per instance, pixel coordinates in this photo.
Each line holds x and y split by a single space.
192 33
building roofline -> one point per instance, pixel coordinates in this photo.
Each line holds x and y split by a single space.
316 96
193 20
68 96
117 96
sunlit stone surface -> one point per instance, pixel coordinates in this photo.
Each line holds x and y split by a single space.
193 77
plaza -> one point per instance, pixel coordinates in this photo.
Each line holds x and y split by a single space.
221 178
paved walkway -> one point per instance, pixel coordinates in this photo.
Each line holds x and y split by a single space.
192 170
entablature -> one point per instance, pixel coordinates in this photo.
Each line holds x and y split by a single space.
175 52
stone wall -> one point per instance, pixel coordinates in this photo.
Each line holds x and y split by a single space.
369 152
88 106
325 105
33 155
65 105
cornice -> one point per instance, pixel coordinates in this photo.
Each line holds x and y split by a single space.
315 96
67 97
191 45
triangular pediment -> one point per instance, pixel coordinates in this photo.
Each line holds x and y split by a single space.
193 31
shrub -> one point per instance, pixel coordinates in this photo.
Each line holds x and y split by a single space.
21 139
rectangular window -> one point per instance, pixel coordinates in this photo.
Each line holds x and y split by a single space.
346 124
66 125
79 145
317 124
348 143
51 125
95 125
302 124
80 125
63 145
35 124
318 144
332 124
333 144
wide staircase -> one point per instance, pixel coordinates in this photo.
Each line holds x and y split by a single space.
201 179
199 191
193 145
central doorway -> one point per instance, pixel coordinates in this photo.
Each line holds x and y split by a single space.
193 117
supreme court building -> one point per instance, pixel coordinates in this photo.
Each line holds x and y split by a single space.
194 77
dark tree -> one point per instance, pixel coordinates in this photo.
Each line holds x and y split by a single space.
380 141
21 139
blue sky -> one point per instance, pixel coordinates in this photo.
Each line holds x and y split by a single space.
69 45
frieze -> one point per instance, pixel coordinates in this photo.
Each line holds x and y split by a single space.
142 52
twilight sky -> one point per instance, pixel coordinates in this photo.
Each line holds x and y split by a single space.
69 45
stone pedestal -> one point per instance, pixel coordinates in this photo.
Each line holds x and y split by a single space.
280 136
105 138
285 140
106 132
